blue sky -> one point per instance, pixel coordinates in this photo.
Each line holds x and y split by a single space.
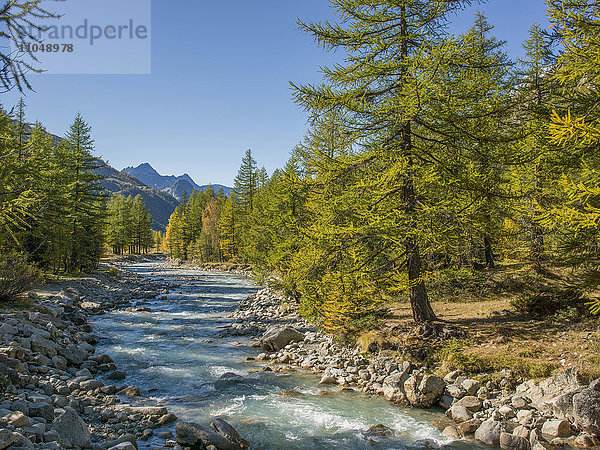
219 85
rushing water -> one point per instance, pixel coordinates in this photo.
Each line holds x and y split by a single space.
176 356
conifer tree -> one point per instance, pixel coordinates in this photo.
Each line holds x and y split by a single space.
86 198
393 48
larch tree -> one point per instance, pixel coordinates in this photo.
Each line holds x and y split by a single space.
86 197
393 49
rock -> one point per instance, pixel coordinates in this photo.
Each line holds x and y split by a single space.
21 441
451 432
561 406
123 446
90 385
73 354
512 442
456 391
489 432
586 441
586 408
72 428
445 402
379 430
452 376
115 375
126 438
130 391
471 386
16 419
143 410
470 402
507 412
567 380
469 427
460 413
327 378
228 432
44 410
393 385
556 428
424 391
518 402
6 439
167 418
189 434
275 338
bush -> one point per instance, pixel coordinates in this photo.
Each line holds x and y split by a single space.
16 276
546 304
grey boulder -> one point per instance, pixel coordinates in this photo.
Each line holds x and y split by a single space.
275 338
72 429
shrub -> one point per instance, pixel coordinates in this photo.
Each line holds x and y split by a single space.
546 304
16 276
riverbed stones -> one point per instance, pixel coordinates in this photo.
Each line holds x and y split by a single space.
6 439
489 432
230 433
586 408
197 436
424 391
556 428
471 403
72 429
513 442
276 338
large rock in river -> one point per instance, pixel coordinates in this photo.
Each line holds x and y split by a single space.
197 436
275 338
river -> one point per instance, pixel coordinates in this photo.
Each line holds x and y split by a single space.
175 355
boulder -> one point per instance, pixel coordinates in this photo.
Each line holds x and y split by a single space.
125 439
512 442
379 430
71 428
470 402
489 432
565 381
189 434
451 432
424 391
275 338
230 433
556 428
586 408
73 354
44 410
460 413
6 439
393 385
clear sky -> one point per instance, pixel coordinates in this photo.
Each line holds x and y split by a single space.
219 85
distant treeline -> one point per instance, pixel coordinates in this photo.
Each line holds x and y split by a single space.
427 152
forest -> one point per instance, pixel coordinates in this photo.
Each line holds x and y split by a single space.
428 156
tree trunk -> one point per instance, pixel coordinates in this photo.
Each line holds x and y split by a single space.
419 300
489 254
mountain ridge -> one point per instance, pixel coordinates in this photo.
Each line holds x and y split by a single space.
171 184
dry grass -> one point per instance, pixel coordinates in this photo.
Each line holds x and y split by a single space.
490 335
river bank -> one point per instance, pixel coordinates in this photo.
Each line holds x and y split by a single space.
62 394
561 411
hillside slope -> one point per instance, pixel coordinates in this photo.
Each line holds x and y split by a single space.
160 204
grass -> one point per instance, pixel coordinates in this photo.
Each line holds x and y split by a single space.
508 318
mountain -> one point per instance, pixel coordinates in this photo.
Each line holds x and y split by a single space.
171 184
160 204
